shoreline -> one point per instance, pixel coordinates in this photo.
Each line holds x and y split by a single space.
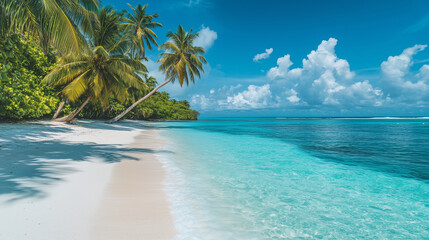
90 180
134 204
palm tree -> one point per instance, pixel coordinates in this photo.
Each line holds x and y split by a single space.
96 75
180 60
102 29
101 70
53 21
138 26
150 82
60 107
106 30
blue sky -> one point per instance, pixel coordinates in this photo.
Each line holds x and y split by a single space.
303 58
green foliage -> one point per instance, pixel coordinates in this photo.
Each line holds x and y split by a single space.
22 67
158 106
96 74
54 22
138 30
182 60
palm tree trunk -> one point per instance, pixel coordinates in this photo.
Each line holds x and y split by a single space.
115 119
59 110
70 117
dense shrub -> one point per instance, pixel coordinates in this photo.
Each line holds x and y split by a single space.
22 67
158 106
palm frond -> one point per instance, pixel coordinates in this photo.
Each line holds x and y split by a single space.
181 60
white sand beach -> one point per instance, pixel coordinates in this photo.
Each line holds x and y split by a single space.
86 181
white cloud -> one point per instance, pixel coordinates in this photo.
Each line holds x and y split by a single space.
264 55
292 96
252 98
201 101
325 59
424 73
397 80
282 67
397 66
363 94
206 38
230 98
323 79
325 82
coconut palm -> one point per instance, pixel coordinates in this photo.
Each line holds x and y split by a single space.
96 75
150 82
53 21
106 30
181 61
102 29
102 53
138 27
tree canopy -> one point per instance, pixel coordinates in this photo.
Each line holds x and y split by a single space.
88 55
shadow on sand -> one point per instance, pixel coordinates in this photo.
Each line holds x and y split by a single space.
26 158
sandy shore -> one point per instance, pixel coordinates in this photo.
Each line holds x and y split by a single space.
134 205
85 181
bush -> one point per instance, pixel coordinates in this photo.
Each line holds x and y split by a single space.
22 67
158 106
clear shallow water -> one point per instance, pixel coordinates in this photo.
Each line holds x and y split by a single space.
299 178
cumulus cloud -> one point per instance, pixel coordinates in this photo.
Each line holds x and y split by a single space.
210 101
424 73
252 98
206 38
264 55
362 94
233 98
282 67
397 80
323 79
292 96
201 101
397 66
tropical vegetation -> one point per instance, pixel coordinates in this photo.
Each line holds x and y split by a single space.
75 59
181 61
22 67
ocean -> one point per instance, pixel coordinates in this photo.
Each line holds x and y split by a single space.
282 178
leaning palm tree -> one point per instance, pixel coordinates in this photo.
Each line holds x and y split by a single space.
105 30
95 75
138 27
102 29
181 61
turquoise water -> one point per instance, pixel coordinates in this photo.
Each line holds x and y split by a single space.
299 178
